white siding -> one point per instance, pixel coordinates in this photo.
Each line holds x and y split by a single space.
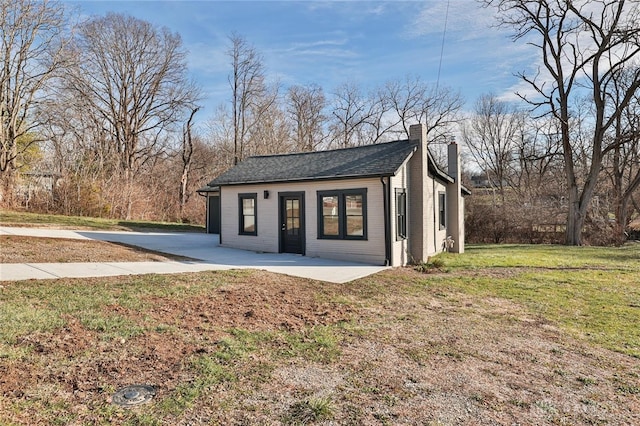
437 236
431 236
371 250
399 247
267 219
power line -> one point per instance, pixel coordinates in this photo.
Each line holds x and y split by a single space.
444 32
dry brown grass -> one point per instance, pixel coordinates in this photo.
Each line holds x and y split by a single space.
22 249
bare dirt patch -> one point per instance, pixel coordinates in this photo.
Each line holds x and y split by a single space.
268 302
24 249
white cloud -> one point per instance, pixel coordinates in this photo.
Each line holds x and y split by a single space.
353 9
474 43
320 48
465 17
206 57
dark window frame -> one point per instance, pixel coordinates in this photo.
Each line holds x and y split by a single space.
442 209
241 216
342 194
401 214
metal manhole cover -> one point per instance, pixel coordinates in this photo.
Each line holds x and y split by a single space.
133 395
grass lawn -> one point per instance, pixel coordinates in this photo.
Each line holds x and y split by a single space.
592 292
15 218
500 335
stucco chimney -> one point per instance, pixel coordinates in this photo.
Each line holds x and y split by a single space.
455 201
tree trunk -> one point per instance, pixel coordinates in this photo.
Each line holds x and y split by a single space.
187 158
184 180
575 220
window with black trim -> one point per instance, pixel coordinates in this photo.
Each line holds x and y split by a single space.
401 214
248 214
442 208
342 214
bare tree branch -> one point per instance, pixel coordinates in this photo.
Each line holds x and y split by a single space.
582 45
32 40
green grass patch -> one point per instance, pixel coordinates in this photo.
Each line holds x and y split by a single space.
237 355
208 372
239 344
593 292
626 257
111 326
309 411
44 306
223 365
319 344
22 319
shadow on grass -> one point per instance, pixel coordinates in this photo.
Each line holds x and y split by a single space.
138 249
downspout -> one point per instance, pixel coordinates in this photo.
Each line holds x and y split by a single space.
220 216
436 225
386 196
206 219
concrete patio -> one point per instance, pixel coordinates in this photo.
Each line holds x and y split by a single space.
203 248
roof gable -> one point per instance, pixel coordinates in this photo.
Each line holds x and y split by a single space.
364 161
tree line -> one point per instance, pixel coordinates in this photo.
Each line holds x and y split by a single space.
105 110
572 160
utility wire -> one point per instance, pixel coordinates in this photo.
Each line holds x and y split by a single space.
444 32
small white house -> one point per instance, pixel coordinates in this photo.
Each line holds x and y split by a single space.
385 204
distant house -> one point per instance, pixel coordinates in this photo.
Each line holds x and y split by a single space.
386 204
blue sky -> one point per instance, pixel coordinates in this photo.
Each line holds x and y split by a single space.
332 42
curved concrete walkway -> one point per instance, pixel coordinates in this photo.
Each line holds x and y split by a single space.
203 247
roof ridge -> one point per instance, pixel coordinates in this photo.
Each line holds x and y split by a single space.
329 150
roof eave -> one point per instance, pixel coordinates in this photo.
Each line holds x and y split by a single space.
309 179
435 170
208 188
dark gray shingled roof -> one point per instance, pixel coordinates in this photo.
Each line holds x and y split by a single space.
382 159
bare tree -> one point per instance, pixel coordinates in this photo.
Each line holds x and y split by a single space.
250 96
492 135
538 157
187 160
622 164
582 46
32 40
439 111
132 77
380 124
389 112
413 101
305 106
351 112
271 132
219 133
78 148
405 98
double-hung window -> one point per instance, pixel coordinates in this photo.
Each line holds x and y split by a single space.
442 206
342 214
248 214
401 214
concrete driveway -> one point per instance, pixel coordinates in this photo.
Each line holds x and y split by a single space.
203 247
